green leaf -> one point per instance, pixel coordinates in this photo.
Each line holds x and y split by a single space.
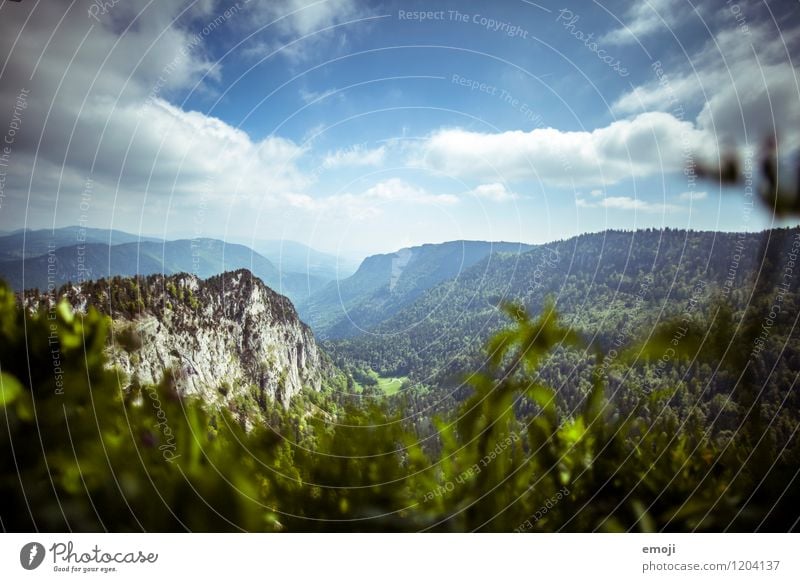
10 389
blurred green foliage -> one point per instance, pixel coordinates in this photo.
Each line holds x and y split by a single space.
79 453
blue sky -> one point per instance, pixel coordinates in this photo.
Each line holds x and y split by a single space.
360 127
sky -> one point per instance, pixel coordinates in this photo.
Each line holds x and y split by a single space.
365 127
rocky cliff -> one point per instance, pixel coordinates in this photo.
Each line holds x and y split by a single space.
229 339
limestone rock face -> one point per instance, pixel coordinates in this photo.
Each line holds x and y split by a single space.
227 339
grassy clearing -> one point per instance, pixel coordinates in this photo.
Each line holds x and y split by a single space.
388 386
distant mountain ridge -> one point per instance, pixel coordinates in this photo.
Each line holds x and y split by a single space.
205 257
27 243
385 283
289 255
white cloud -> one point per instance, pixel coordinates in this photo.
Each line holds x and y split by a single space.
300 201
596 192
357 155
397 190
291 20
744 85
649 143
496 192
628 203
309 16
314 96
108 117
644 18
693 195
371 202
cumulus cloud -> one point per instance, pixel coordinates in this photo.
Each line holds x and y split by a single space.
647 144
743 84
370 202
397 190
304 17
98 110
495 192
645 18
357 155
628 203
301 27
693 195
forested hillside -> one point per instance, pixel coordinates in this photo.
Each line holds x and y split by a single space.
613 288
384 284
512 457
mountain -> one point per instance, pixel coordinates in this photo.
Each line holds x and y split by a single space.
229 339
201 257
661 424
296 257
26 243
386 283
611 286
